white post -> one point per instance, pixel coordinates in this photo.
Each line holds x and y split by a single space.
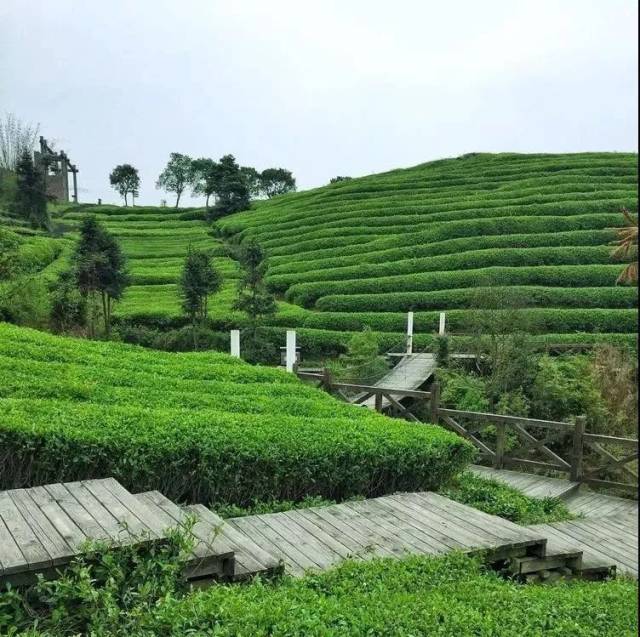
409 332
235 343
442 323
291 349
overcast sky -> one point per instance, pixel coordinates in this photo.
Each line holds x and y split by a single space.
321 87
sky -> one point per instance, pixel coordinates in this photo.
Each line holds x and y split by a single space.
320 87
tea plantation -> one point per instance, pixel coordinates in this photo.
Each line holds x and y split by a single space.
199 427
435 237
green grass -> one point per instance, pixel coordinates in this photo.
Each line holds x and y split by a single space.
200 427
365 251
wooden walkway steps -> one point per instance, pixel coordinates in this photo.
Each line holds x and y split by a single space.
604 541
396 526
410 373
528 483
43 528
579 499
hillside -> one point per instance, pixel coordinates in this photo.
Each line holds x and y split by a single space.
435 237
200 427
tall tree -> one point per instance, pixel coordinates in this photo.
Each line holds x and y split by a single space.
16 138
177 175
276 181
232 191
205 178
254 299
125 180
252 178
198 280
30 199
100 272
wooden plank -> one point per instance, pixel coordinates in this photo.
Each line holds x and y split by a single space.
629 442
154 525
625 486
414 540
307 542
511 420
130 523
55 545
515 462
11 558
373 389
459 429
263 534
96 510
31 548
321 534
77 513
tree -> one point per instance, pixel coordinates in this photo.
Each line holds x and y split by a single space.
99 268
232 191
254 299
30 199
16 138
628 245
276 181
199 278
252 178
205 178
125 180
177 175
339 178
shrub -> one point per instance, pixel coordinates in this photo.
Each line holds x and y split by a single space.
451 595
200 427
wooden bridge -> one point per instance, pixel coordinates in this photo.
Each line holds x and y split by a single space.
44 527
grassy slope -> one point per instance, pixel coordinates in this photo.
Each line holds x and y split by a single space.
202 427
364 251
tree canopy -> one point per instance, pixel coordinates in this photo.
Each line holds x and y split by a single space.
125 180
276 181
177 175
30 198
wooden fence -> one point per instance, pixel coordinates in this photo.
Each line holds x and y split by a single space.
514 442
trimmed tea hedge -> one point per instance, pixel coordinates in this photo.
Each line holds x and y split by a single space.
198 427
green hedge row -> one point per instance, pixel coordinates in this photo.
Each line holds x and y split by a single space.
199 427
306 294
473 259
479 297
535 240
538 319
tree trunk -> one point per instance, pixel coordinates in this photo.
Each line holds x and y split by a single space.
125 200
178 199
105 313
207 202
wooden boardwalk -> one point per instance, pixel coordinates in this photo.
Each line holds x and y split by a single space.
604 541
578 498
410 373
43 528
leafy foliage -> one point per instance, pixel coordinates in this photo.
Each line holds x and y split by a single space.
30 197
276 181
126 181
452 595
177 175
199 427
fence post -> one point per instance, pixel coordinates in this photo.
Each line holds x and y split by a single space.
578 449
235 343
409 332
378 401
498 461
441 327
291 350
434 402
326 380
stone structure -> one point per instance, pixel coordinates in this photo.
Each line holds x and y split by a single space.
56 167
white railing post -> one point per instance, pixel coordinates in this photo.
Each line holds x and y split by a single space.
442 324
409 332
291 350
235 343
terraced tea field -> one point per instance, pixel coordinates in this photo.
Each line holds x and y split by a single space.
200 427
437 236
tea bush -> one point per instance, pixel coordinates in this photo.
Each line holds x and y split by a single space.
200 427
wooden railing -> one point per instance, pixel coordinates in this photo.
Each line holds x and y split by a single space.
534 438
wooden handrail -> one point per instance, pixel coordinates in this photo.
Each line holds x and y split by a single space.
627 442
508 420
